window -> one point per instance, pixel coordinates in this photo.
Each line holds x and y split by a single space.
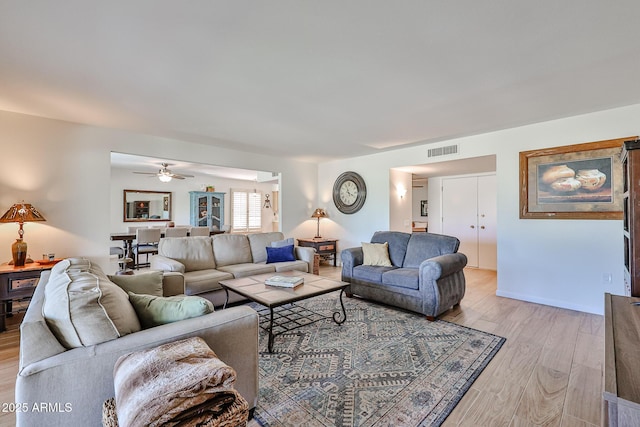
246 211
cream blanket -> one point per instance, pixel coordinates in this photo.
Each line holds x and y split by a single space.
181 383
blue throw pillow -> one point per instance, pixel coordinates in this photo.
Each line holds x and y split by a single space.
281 243
282 254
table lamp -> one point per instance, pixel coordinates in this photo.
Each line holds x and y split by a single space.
318 213
21 213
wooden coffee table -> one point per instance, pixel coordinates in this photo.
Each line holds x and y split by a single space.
254 289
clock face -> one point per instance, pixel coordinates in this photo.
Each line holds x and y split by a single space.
349 192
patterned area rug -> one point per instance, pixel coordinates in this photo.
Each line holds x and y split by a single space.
382 367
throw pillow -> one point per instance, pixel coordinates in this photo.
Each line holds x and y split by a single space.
149 283
282 254
376 254
153 310
281 243
83 308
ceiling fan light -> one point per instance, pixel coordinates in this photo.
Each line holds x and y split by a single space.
164 177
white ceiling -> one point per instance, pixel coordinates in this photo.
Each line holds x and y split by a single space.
316 80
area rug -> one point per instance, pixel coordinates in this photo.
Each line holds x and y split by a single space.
382 367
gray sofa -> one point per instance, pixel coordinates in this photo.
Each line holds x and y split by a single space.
205 261
69 386
426 275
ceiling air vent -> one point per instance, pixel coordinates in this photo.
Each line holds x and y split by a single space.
442 151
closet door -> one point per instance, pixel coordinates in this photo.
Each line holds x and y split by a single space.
460 214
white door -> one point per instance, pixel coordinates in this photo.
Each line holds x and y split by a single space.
459 214
469 213
487 220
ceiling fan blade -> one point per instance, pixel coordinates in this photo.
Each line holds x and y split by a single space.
177 177
146 173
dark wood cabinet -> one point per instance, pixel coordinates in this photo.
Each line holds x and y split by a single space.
631 216
325 248
18 284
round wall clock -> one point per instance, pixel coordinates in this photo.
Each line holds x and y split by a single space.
349 192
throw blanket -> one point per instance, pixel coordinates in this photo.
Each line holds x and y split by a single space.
181 383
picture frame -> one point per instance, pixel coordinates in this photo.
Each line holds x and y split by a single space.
424 208
581 181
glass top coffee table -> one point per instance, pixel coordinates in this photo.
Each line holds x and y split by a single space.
254 289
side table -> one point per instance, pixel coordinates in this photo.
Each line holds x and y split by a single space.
326 248
18 283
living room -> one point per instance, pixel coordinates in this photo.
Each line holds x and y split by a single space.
58 139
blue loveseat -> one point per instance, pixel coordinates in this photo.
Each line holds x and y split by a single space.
425 276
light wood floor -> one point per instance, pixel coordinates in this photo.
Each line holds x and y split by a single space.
548 373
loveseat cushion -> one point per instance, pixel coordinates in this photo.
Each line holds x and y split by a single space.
259 243
424 246
370 273
231 249
397 244
156 310
195 253
201 281
402 278
83 308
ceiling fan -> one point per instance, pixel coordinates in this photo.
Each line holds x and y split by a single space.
165 175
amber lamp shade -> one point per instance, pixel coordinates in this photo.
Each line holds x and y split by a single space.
21 213
318 213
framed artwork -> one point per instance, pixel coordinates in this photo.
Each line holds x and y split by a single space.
423 208
581 181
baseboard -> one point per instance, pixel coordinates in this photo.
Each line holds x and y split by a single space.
552 302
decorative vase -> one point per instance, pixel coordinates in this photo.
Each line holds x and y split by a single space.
557 172
591 179
19 252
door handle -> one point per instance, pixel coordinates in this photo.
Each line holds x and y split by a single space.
482 227
473 226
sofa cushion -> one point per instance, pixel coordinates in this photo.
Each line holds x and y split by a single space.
423 246
376 254
397 244
195 253
156 310
370 273
402 278
248 269
297 265
201 281
259 243
82 307
149 282
231 249
280 254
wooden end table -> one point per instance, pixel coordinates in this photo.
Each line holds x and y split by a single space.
254 289
326 248
18 284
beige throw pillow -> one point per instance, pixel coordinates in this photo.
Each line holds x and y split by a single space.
148 283
376 254
82 307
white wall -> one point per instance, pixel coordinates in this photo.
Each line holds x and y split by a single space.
180 199
400 207
64 170
555 262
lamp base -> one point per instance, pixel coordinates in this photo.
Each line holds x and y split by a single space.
19 252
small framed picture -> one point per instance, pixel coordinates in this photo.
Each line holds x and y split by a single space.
424 211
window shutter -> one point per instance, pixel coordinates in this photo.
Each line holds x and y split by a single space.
246 211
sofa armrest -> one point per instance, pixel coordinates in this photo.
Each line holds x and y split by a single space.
350 258
232 334
442 266
172 284
159 262
305 254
